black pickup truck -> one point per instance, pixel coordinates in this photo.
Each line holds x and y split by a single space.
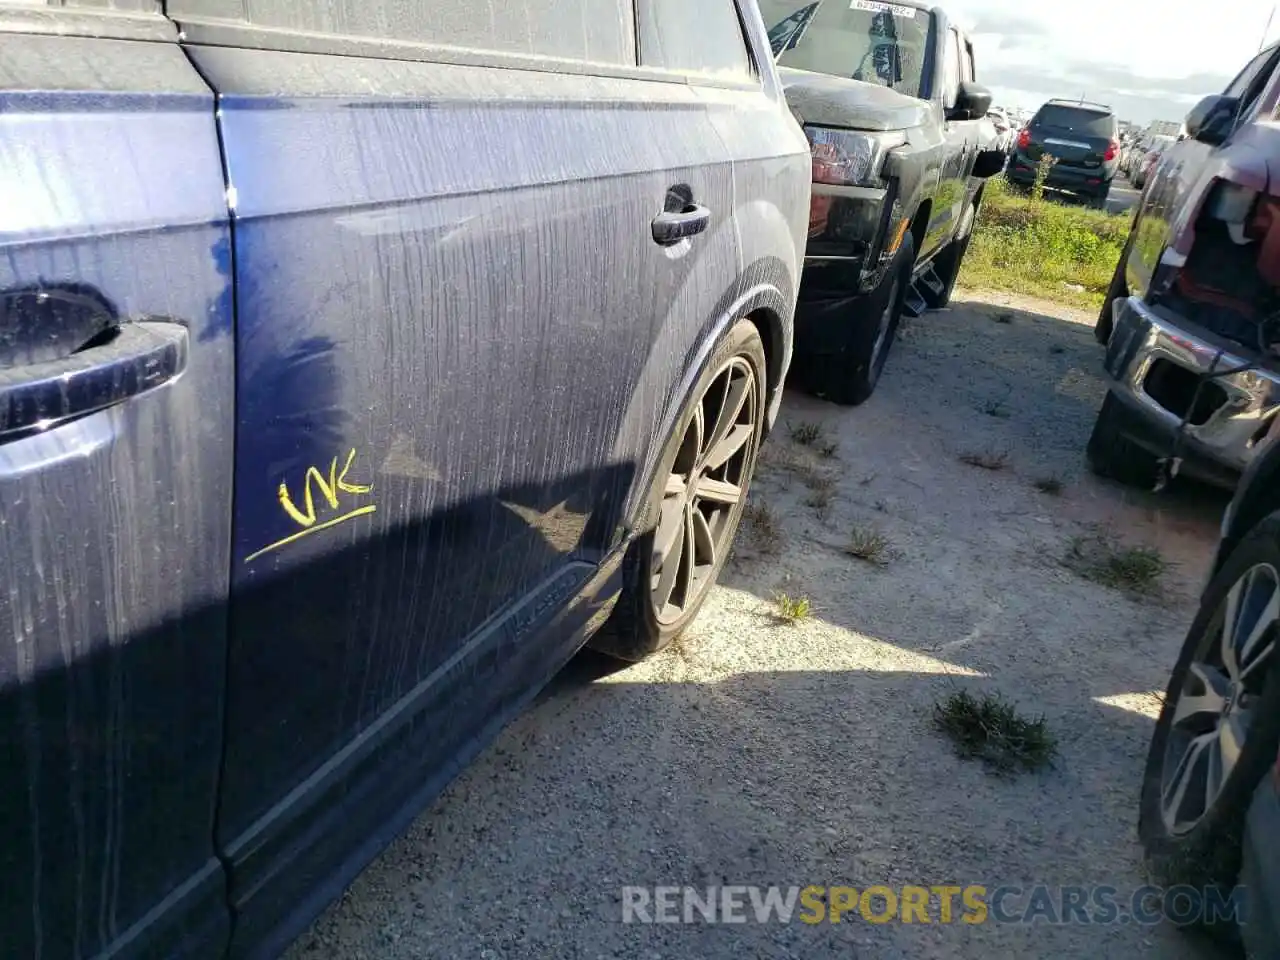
887 96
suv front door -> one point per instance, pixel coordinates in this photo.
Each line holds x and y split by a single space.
116 390
960 142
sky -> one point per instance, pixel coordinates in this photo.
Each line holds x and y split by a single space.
1149 59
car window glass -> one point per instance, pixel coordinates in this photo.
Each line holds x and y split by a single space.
699 37
1096 123
951 70
968 72
1257 85
601 31
882 43
1240 85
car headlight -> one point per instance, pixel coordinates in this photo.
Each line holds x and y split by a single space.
849 158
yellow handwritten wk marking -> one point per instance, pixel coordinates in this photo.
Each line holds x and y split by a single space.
330 487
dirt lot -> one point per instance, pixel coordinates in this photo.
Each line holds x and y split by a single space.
765 754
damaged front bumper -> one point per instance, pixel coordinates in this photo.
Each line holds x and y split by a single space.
1156 359
854 233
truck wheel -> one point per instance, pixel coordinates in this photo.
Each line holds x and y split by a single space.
849 377
946 266
1113 455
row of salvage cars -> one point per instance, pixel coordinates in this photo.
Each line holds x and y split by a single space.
1191 327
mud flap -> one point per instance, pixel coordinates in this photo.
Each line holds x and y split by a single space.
824 325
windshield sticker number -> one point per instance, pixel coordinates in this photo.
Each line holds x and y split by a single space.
897 9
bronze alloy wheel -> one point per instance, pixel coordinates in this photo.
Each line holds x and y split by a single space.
704 486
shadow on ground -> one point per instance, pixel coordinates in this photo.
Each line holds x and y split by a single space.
753 753
827 777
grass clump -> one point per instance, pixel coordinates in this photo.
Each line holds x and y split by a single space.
986 459
764 531
1102 560
990 729
821 495
869 545
807 434
1051 485
791 610
1038 247
791 462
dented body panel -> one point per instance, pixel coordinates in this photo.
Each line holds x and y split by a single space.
1200 278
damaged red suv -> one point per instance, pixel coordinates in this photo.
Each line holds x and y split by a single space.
1192 318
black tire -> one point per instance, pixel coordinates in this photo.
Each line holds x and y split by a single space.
849 377
1113 455
1206 852
948 263
1119 288
636 629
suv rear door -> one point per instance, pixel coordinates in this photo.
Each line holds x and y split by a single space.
116 388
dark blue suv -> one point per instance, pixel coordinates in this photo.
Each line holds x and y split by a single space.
359 361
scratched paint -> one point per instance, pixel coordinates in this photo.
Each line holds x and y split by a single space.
331 488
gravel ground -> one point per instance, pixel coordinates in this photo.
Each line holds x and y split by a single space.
754 753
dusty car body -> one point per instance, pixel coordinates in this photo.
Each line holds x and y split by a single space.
358 363
886 93
1189 320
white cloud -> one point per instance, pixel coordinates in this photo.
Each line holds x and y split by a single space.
1150 58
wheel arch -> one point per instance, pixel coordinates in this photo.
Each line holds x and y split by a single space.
920 222
976 202
764 294
1257 497
770 326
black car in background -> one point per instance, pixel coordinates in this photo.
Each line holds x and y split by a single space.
1084 141
888 96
